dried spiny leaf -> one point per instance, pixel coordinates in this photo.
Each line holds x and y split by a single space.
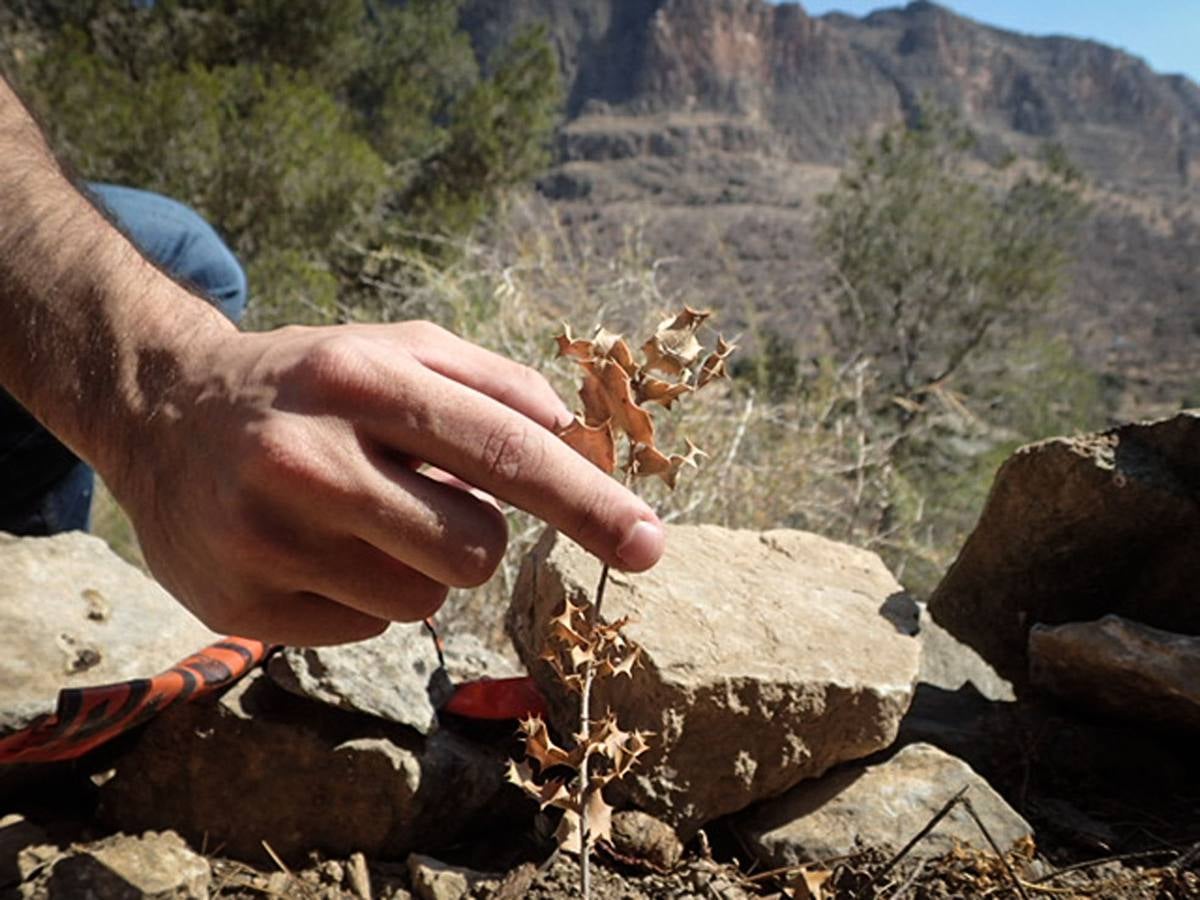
572 681
714 364
622 664
594 443
573 347
599 814
649 389
570 613
540 747
648 460
608 345
607 397
553 793
673 347
569 834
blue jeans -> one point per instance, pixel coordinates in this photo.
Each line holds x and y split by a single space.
44 487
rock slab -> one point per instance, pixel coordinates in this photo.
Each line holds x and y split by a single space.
883 806
769 658
151 867
395 676
1075 528
73 614
260 764
1120 668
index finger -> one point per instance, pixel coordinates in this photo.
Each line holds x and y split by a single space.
491 445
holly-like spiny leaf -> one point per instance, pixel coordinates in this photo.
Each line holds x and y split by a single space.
673 348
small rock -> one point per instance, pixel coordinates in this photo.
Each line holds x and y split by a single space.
880 806
640 837
1120 668
303 777
73 614
769 658
16 834
436 880
155 866
1075 528
394 676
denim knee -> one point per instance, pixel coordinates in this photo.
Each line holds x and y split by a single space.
180 242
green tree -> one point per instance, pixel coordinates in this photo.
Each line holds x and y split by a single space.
934 260
317 135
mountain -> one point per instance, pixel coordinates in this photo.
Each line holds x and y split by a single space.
716 123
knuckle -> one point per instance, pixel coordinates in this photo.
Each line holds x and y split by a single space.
274 453
478 560
510 451
591 523
424 330
337 366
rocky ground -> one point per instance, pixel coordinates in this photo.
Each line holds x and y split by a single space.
815 733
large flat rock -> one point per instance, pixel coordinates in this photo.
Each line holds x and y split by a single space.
73 614
769 657
1120 668
880 806
1075 528
259 764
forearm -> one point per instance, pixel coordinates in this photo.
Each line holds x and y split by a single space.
91 334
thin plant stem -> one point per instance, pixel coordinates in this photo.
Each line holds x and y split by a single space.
585 704
585 713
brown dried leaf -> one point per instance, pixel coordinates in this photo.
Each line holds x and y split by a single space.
572 681
553 793
648 460
593 442
568 834
610 345
714 364
809 884
599 813
573 347
625 663
607 397
654 390
580 656
673 346
540 747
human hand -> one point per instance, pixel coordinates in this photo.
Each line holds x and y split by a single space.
277 491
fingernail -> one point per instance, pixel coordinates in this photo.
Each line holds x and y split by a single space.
642 546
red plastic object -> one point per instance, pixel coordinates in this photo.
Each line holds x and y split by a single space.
497 698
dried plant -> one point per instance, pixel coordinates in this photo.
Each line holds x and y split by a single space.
617 393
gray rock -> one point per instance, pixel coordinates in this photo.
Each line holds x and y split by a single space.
394 676
882 806
1075 528
641 838
949 664
769 657
72 614
1120 668
436 880
121 867
259 764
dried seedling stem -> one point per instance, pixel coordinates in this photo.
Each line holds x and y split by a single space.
617 393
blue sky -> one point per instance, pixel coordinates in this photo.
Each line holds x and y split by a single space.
1166 33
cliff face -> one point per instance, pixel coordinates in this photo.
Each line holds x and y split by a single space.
820 82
